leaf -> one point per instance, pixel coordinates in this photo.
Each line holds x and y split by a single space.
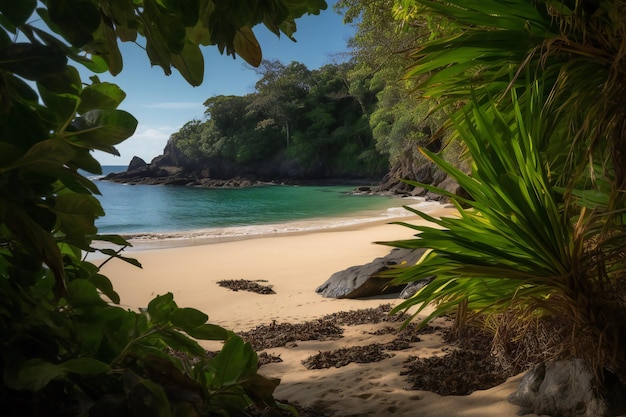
103 283
31 233
77 20
190 63
100 96
76 214
101 129
35 374
18 12
32 61
115 254
146 397
161 308
208 332
85 366
83 294
247 46
44 156
188 318
235 361
180 342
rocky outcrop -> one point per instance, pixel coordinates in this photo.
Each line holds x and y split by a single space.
364 280
565 388
409 168
174 168
136 163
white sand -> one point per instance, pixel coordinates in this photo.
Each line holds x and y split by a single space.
295 264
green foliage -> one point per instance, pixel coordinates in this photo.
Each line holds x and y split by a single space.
66 347
545 230
522 245
307 116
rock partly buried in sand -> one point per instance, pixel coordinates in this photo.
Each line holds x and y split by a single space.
363 281
564 388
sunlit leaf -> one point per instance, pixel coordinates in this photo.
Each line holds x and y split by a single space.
190 63
247 46
100 96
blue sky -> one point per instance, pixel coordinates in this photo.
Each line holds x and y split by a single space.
163 104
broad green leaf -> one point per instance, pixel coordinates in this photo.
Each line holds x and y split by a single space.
18 12
115 239
44 156
188 318
32 62
35 374
105 46
190 63
83 159
149 399
101 129
208 332
161 308
100 96
42 242
93 63
247 46
235 362
115 254
76 213
85 366
104 284
83 294
77 20
181 342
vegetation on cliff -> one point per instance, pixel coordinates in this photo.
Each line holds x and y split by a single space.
301 122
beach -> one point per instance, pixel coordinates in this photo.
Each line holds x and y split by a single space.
294 264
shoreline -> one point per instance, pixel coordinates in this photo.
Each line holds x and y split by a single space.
294 264
196 237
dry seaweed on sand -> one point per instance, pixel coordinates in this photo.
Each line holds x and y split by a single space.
459 372
280 334
246 285
344 356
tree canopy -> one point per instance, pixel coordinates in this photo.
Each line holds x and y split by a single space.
300 115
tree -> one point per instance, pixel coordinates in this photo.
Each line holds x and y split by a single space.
400 119
67 348
544 236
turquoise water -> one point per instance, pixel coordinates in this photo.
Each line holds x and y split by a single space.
145 209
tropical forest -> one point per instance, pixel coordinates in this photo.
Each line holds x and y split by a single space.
520 103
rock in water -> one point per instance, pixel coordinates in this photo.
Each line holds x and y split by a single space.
136 163
362 281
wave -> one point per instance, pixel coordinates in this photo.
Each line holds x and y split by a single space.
147 240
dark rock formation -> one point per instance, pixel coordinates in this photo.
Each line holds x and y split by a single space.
136 163
174 168
363 281
565 388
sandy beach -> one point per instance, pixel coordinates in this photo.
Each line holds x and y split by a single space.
294 265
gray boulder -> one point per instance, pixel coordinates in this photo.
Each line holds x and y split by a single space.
562 388
363 281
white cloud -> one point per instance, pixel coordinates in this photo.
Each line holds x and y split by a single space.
147 143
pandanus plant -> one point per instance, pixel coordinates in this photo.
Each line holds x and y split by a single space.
541 86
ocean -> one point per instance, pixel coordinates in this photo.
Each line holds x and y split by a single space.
148 212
